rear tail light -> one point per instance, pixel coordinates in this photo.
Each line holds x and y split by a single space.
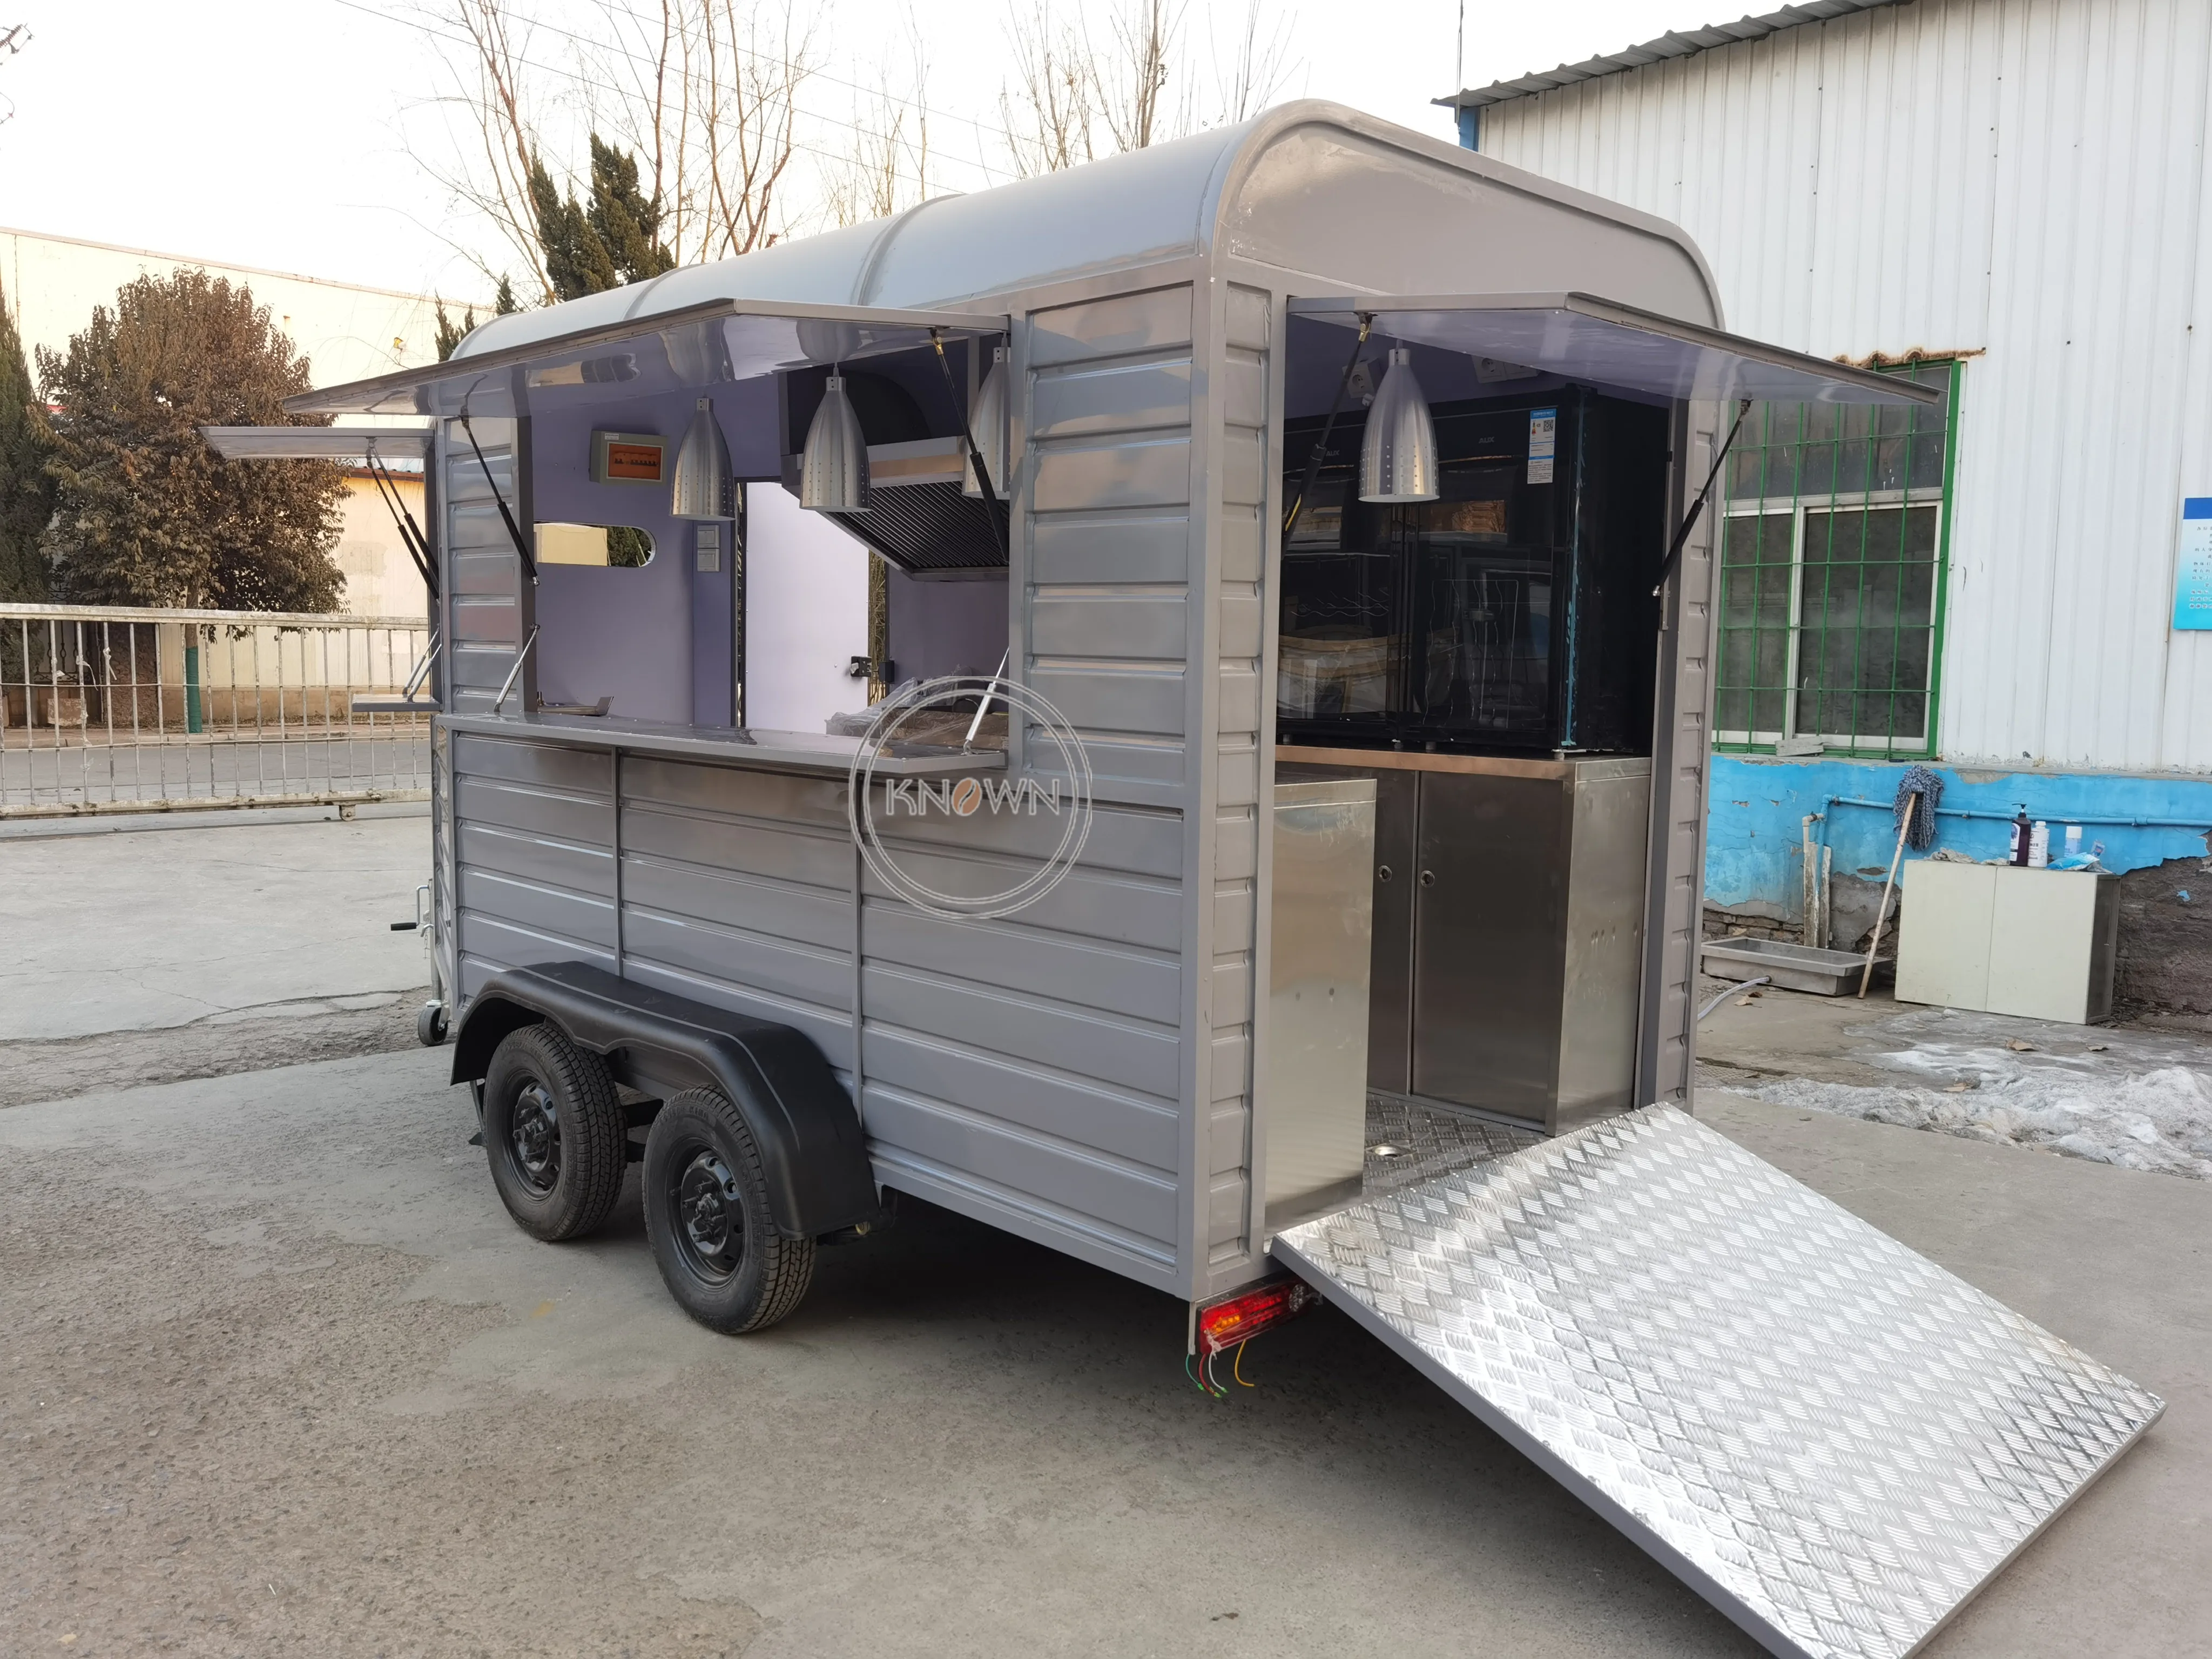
1237 1319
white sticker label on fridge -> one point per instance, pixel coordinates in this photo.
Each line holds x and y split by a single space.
1543 441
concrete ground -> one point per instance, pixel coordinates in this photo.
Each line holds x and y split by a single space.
281 1377
144 948
2137 1094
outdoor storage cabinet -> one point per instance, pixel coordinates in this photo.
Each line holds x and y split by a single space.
2001 939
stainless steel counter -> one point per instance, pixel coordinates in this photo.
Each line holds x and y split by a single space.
790 751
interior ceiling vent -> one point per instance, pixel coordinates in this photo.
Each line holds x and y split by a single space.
923 527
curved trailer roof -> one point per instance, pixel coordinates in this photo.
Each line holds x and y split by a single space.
1283 187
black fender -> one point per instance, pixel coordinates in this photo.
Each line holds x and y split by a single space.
812 1151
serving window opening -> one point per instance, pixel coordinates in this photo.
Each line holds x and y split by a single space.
1511 614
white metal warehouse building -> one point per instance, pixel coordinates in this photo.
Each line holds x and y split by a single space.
2013 192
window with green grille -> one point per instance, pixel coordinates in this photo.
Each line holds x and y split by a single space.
1832 573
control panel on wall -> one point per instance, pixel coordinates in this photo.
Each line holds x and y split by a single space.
708 549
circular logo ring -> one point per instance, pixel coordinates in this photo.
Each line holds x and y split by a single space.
966 796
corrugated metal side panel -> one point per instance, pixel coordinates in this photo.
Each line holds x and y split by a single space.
1031 1067
736 892
1108 489
1031 1071
2021 178
491 611
1681 762
534 856
1241 407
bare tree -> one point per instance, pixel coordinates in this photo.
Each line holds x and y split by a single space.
702 93
886 165
492 174
1255 70
1077 96
13 39
1049 115
1129 78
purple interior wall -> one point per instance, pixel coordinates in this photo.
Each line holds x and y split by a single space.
946 627
657 641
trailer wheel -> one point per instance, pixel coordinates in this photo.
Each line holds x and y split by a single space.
430 1025
554 1131
706 1216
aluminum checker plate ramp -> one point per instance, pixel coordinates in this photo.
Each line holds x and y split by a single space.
1829 1437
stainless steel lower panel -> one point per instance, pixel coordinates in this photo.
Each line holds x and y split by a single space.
1322 940
1829 1437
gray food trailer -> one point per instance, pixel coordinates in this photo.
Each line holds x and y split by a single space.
1331 498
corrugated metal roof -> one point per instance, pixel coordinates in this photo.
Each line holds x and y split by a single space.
1686 44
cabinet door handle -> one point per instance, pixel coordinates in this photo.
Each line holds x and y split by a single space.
1381 872
1428 878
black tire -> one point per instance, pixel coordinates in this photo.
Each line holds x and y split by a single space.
553 1130
706 1216
430 1025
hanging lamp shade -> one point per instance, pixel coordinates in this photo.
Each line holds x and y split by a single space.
986 422
1398 458
833 468
700 486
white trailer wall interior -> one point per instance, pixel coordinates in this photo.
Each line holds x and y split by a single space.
1090 1070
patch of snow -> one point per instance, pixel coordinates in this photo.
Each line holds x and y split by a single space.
2158 1120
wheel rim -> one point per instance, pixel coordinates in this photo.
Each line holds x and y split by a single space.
710 1217
533 1138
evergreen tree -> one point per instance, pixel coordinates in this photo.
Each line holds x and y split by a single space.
576 260
449 333
146 513
614 240
27 494
628 225
503 303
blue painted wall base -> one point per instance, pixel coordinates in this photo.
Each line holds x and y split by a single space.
1757 808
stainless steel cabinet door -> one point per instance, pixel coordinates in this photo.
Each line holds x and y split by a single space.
1390 990
1490 903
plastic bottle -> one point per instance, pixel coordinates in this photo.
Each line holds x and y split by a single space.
2039 846
2073 841
2022 830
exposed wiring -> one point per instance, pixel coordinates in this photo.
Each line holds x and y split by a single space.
1236 1367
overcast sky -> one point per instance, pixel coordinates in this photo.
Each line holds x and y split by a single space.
284 133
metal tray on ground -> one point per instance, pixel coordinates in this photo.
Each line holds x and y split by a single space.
1792 967
1834 1441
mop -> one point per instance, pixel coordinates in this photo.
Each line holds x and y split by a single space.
1918 792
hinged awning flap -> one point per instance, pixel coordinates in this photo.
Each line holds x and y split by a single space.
390 444
700 346
1582 337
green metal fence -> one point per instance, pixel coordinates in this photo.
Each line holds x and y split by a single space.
1832 561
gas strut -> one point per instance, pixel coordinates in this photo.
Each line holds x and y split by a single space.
1690 519
387 489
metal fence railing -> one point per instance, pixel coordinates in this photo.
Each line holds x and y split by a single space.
112 709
